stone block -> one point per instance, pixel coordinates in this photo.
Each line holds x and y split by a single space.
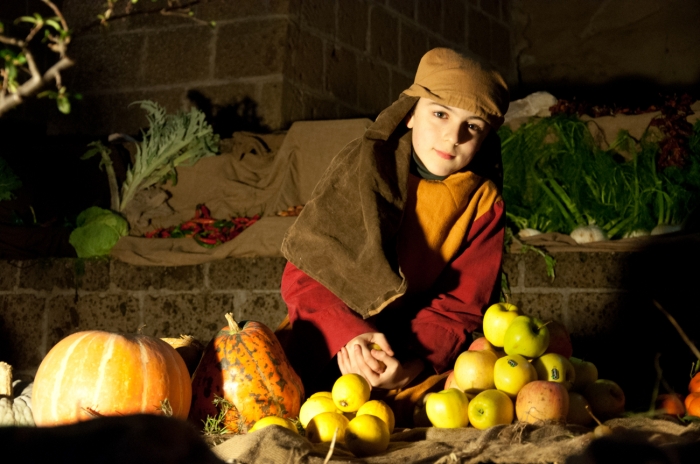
353 22
113 313
492 7
64 274
546 306
500 46
511 267
317 108
594 314
251 48
506 11
414 44
246 274
176 56
341 78
222 10
373 86
200 315
400 81
129 277
270 105
21 330
9 274
292 103
479 33
384 37
578 270
429 14
406 8
107 62
268 308
455 25
319 15
307 68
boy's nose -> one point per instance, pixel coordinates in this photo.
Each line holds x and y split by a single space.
458 135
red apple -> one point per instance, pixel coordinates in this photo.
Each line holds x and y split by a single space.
606 398
559 340
450 382
481 344
540 401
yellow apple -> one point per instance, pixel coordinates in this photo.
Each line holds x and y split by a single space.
497 318
474 370
489 408
542 401
555 368
586 373
448 409
526 336
511 373
578 414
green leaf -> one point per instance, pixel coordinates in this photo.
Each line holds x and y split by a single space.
63 105
8 181
29 19
55 24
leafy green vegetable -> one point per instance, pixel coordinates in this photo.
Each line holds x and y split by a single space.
8 181
556 178
97 231
171 140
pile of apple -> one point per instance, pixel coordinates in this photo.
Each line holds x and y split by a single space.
522 368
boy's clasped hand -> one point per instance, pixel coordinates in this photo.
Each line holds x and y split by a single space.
378 366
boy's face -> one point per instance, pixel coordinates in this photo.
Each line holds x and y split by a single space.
445 138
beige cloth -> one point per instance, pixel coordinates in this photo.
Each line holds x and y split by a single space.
255 174
518 442
453 79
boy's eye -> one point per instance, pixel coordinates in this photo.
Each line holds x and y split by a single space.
440 114
474 127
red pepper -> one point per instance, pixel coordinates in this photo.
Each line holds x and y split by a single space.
203 221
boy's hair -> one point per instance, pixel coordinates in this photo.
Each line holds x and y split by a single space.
452 79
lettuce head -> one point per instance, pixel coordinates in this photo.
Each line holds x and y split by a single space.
97 231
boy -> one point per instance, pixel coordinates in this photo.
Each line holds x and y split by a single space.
401 245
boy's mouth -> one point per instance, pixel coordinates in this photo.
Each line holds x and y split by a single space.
444 155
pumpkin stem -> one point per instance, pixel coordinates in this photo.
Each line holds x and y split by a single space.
232 324
5 380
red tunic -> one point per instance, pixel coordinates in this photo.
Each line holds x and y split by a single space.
434 325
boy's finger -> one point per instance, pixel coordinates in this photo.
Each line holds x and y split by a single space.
371 361
380 340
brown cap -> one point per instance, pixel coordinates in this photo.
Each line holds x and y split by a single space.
453 79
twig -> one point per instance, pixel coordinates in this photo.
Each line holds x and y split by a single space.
34 84
332 447
685 338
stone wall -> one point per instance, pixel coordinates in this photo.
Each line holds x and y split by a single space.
611 320
265 63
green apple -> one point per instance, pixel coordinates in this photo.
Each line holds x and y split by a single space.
541 401
448 409
511 373
497 318
489 408
526 336
606 398
474 370
555 368
586 373
578 412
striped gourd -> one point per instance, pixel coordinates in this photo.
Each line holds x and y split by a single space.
247 367
97 373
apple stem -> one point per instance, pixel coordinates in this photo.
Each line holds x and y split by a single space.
592 415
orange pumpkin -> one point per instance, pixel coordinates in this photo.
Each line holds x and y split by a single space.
694 385
692 407
96 373
670 404
248 368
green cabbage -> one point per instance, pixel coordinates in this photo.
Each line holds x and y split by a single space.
97 231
